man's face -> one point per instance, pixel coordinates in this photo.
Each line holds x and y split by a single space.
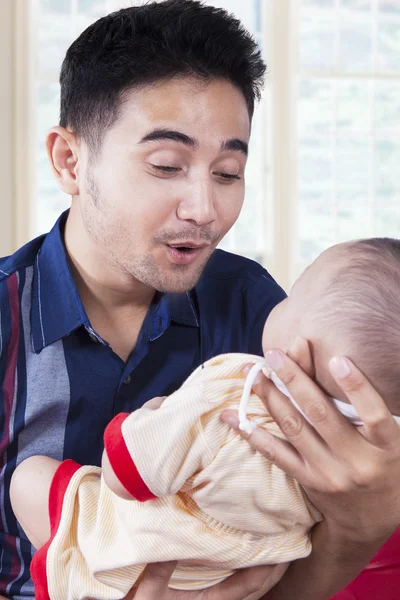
168 181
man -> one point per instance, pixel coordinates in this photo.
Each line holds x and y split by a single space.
127 295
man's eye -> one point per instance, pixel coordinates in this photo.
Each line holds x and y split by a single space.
165 169
228 176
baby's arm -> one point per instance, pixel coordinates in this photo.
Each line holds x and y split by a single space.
112 481
145 457
109 476
29 494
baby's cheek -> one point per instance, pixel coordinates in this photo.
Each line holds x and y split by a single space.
276 333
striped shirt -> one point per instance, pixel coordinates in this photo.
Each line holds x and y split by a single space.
61 383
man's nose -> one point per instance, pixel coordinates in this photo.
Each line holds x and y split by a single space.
198 205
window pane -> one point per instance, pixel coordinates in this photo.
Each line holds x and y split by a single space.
317 44
316 228
387 223
317 7
387 157
315 106
352 165
389 46
92 7
56 7
355 7
355 48
389 7
315 169
387 105
55 36
353 105
352 221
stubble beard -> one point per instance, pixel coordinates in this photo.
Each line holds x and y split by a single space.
176 279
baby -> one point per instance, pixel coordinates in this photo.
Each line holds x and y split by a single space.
177 483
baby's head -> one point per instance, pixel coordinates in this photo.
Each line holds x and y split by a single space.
347 303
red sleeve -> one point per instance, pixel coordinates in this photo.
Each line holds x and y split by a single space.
121 461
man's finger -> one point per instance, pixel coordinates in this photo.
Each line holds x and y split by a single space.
380 427
299 432
278 451
154 581
325 418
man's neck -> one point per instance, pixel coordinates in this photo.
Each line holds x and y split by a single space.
115 303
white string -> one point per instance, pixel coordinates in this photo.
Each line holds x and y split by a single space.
246 425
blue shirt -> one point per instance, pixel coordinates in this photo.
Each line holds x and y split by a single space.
61 383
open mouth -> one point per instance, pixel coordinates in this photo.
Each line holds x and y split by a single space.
185 249
181 254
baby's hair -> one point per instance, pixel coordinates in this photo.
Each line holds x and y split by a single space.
362 305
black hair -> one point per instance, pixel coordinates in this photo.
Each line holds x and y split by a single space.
141 45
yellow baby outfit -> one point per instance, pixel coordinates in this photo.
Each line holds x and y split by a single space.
204 497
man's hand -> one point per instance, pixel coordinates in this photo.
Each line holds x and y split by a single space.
351 474
248 584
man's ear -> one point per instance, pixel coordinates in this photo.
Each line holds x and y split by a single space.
63 152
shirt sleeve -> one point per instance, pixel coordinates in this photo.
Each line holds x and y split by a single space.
149 456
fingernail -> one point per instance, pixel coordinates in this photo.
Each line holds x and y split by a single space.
340 367
231 421
274 359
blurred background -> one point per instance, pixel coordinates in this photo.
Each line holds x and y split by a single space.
324 163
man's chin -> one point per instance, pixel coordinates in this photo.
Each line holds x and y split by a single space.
174 282
176 287
171 279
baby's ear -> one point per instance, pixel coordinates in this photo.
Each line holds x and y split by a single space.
301 353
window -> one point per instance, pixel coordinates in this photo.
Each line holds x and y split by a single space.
348 113
325 147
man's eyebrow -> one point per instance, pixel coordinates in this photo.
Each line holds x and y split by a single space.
160 134
170 134
235 145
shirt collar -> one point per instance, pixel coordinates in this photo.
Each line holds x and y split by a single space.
183 308
57 309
